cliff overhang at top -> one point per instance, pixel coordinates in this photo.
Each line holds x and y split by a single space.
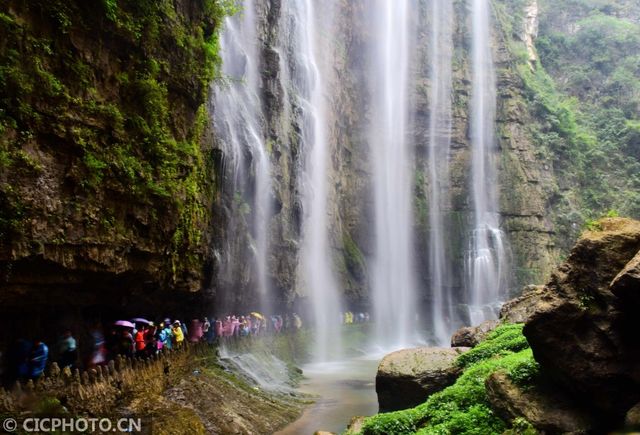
105 171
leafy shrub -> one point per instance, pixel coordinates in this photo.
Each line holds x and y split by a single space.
521 426
525 373
399 422
593 225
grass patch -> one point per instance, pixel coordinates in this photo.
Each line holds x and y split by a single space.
505 339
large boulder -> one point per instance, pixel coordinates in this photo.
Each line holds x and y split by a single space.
406 378
471 336
519 310
584 333
548 410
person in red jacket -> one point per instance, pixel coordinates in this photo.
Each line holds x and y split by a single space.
140 341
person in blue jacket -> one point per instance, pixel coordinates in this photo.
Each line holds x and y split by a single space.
168 334
38 362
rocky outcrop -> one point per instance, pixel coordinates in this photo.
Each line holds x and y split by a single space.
471 336
584 332
626 286
406 378
517 310
520 309
547 410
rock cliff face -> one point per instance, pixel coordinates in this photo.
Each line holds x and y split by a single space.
105 174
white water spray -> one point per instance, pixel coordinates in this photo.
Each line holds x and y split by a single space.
238 121
308 26
486 260
440 58
393 275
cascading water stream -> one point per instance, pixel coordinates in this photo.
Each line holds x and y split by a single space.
238 122
263 215
486 260
308 64
440 71
393 275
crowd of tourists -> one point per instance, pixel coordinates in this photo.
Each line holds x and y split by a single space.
350 317
141 338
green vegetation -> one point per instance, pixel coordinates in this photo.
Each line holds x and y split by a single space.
520 426
12 211
421 204
353 257
584 95
596 224
507 338
463 408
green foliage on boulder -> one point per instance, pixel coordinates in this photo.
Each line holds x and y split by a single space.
505 339
463 407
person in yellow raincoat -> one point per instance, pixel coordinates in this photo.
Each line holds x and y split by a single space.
178 335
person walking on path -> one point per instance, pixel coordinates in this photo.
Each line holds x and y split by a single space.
178 335
68 350
38 361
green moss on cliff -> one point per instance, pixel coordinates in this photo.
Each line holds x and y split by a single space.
11 213
112 93
353 257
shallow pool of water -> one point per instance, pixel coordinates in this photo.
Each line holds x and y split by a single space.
341 390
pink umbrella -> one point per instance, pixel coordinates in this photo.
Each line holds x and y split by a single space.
140 320
125 324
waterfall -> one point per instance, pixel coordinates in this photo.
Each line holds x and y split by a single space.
309 130
486 261
439 143
393 280
307 27
238 122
